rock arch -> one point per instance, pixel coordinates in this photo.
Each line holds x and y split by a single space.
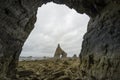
101 45
59 53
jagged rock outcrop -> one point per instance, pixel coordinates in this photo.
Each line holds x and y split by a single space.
100 55
59 53
74 56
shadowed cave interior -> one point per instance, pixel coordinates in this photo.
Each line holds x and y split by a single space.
100 54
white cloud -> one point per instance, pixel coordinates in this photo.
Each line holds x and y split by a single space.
56 24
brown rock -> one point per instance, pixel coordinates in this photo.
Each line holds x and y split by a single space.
59 53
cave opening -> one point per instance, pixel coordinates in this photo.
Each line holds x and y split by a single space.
102 37
56 24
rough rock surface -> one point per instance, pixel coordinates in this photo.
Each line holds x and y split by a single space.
49 69
74 56
100 55
59 53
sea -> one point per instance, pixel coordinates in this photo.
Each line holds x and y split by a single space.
32 58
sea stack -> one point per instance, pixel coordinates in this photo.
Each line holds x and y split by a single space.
74 56
59 53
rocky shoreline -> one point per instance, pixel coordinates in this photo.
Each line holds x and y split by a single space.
50 69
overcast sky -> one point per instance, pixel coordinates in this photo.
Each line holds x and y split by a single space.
56 24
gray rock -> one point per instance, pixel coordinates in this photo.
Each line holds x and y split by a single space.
100 55
101 46
59 53
74 56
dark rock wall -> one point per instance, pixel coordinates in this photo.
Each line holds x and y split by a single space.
100 55
17 18
103 33
101 45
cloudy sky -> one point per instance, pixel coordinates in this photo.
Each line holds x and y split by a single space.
56 24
